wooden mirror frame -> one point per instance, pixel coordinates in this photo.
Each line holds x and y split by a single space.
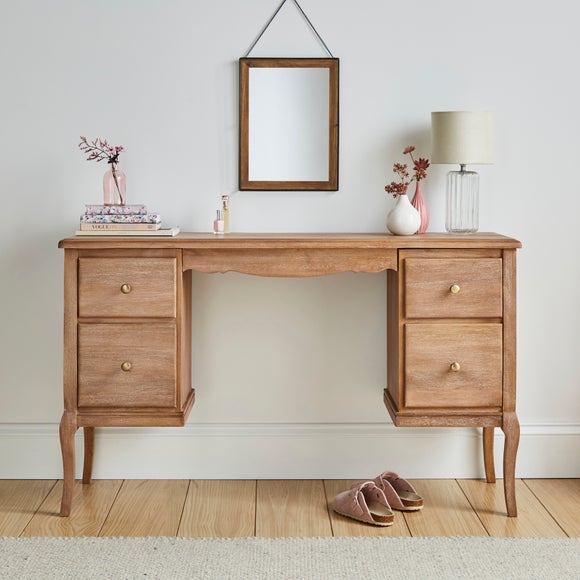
244 153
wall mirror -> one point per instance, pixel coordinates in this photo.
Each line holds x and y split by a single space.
288 124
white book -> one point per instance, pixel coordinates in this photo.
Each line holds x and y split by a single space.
89 227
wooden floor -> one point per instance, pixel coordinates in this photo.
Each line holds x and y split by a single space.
29 508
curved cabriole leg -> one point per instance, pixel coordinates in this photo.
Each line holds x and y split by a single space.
67 430
511 429
89 436
488 461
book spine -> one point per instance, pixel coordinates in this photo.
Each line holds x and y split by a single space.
117 227
150 218
139 209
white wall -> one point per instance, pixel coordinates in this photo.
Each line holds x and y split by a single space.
289 373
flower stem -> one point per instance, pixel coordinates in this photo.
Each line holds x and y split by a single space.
114 172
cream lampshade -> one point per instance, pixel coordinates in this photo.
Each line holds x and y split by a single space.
463 138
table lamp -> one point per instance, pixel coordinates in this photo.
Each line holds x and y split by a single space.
463 138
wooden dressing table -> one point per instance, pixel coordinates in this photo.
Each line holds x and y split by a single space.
451 327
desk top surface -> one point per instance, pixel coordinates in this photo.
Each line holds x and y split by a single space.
264 241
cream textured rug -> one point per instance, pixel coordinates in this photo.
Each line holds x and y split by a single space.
296 559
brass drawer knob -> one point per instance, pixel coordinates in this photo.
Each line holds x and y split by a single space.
126 366
126 288
455 367
455 289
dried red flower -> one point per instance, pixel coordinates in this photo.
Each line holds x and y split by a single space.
420 167
401 170
397 188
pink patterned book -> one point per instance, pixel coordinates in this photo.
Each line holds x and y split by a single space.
149 218
160 232
138 209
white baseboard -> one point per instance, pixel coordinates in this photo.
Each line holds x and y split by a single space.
287 451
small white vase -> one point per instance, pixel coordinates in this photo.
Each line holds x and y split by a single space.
403 219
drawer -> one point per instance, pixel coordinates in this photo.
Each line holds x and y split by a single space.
127 287
150 350
453 287
431 350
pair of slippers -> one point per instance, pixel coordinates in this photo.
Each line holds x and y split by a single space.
372 501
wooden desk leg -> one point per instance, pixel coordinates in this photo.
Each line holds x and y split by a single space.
89 435
488 460
67 430
511 429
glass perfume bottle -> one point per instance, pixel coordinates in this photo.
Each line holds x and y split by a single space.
226 213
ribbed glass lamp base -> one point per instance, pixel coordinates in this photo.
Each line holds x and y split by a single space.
462 215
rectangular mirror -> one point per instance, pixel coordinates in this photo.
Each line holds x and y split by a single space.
288 124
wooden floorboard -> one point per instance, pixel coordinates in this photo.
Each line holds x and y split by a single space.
291 508
446 511
19 501
147 508
280 508
91 505
561 497
219 509
487 499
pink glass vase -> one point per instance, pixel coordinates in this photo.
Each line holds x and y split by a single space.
114 186
419 204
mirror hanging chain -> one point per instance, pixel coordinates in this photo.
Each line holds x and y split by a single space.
274 16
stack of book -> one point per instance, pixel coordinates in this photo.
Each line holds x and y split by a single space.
122 220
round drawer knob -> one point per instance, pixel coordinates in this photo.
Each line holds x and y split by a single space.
126 288
126 366
455 289
455 367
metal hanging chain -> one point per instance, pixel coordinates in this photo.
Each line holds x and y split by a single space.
274 16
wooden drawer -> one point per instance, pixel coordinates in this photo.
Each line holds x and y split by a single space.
453 287
151 350
127 287
431 349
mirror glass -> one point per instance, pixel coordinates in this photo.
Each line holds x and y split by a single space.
288 124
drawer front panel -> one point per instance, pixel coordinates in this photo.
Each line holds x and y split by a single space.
149 378
127 287
432 349
450 287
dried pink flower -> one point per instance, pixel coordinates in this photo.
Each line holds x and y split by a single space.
401 170
397 188
420 167
99 149
421 164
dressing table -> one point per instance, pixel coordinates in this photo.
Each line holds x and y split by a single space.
451 328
